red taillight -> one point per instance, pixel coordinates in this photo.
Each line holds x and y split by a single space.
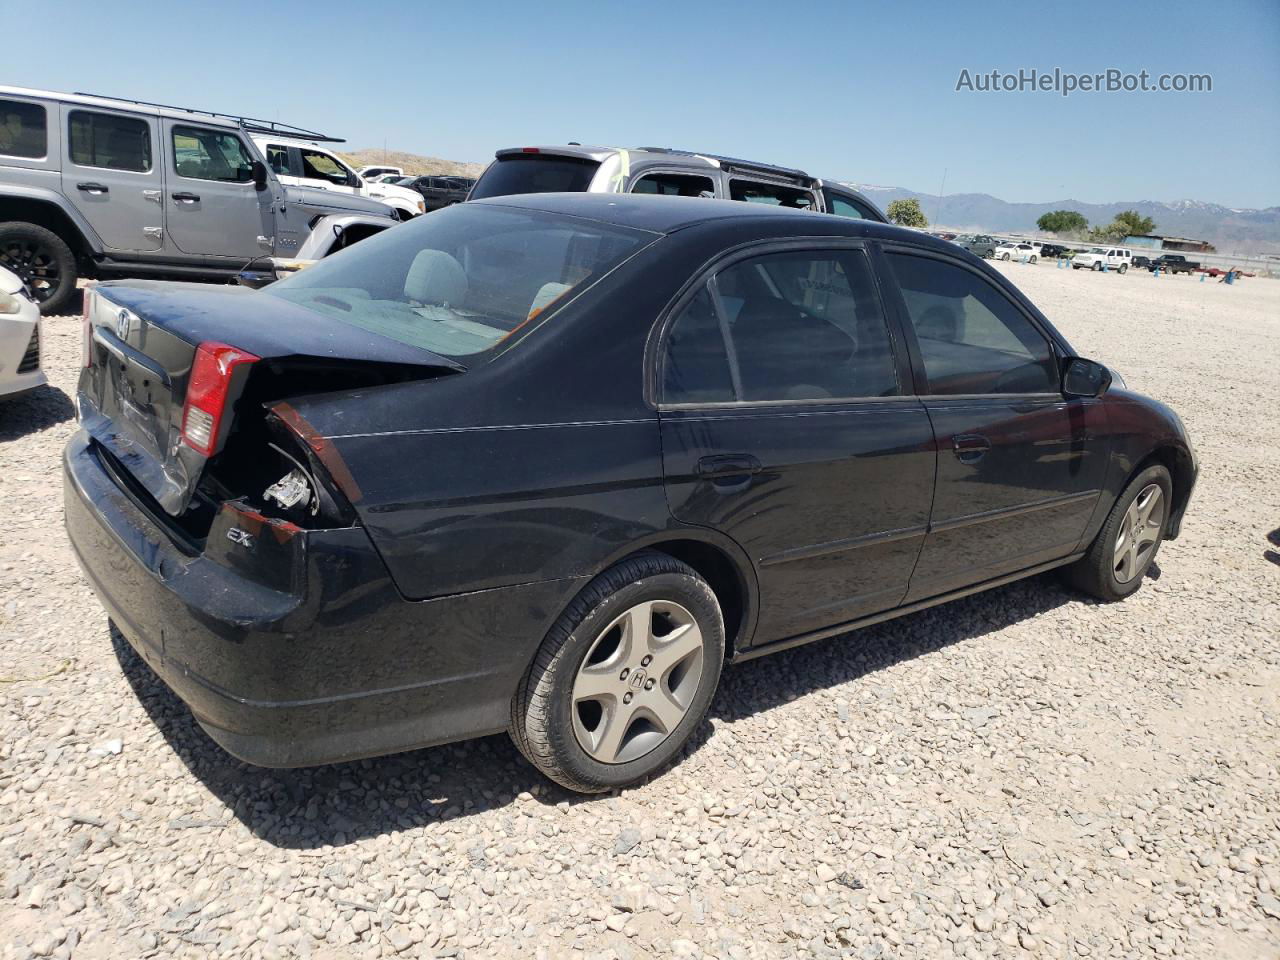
207 390
530 150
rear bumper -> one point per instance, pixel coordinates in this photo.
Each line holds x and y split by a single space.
328 662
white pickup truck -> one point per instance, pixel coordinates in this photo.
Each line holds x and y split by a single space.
308 164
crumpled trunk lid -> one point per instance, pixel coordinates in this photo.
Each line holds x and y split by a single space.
141 340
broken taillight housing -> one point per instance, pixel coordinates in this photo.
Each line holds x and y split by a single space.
207 393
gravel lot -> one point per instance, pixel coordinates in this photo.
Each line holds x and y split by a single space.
1020 773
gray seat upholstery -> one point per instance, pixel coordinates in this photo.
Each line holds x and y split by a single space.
435 277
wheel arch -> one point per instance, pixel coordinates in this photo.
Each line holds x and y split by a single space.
44 211
719 561
1182 472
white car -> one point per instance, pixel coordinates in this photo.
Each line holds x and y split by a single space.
378 173
306 163
1008 250
19 337
1113 258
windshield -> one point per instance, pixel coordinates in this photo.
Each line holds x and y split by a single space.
1098 250
534 173
459 281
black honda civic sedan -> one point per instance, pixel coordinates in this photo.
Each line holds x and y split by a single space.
545 463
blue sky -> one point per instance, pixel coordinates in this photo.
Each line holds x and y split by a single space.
861 91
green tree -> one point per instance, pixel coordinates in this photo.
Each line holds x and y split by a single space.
1128 223
1063 221
907 213
1133 223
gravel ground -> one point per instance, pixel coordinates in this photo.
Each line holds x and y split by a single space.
1023 772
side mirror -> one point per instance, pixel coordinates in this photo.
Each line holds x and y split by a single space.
1084 378
353 180
258 173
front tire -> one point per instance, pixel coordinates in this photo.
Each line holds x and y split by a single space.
1097 268
42 260
1126 546
624 676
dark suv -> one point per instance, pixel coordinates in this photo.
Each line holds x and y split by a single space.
437 191
659 170
543 463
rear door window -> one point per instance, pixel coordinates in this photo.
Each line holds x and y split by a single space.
23 129
774 194
535 173
801 325
674 185
278 158
843 206
109 141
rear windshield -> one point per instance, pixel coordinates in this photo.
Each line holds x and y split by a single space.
459 281
534 173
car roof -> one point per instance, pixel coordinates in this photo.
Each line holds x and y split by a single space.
210 118
666 214
670 155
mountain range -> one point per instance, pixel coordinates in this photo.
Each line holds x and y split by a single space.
1231 230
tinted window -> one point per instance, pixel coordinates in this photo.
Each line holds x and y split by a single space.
109 141
697 363
674 185
22 129
843 207
202 154
800 326
972 338
770 193
535 173
463 279
278 158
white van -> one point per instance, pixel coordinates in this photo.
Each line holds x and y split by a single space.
1114 258
307 164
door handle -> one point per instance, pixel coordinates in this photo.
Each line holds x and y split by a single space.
95 188
187 197
731 465
970 447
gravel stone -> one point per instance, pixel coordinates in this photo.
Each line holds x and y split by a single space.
1021 772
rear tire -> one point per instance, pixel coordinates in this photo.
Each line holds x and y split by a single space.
42 260
1033 258
1123 267
564 730
1109 570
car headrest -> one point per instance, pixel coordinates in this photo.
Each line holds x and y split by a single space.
435 277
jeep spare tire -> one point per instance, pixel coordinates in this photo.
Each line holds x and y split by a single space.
42 260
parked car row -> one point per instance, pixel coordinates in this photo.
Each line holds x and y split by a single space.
99 187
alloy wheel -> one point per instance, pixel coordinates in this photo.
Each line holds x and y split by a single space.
35 265
1139 533
637 681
